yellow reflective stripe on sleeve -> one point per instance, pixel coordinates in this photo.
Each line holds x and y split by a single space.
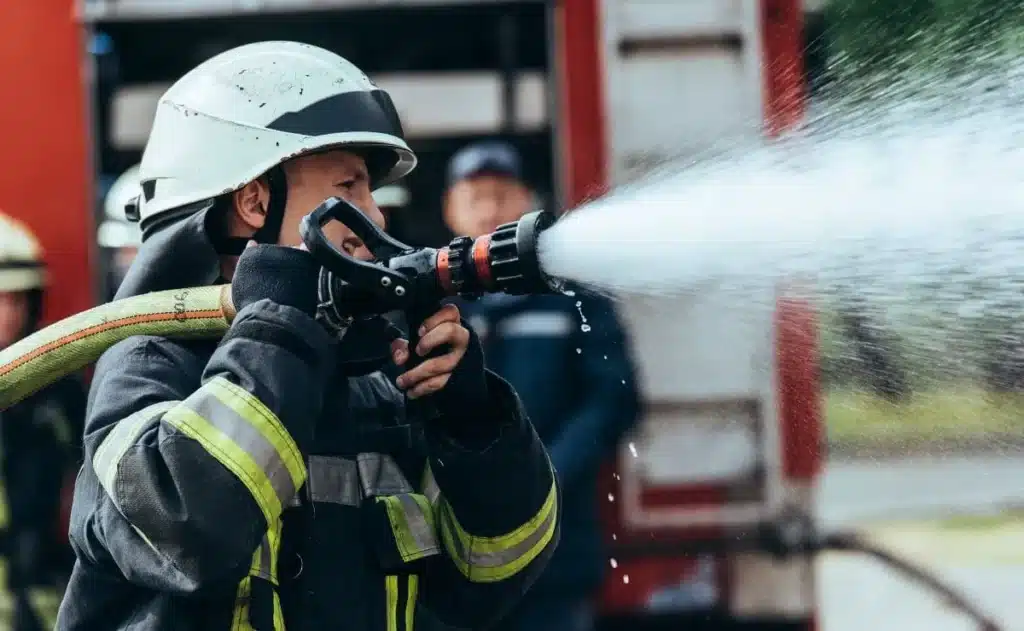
410 603
238 430
273 431
492 559
391 595
412 524
121 437
264 565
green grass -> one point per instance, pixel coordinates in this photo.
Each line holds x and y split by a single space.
938 415
984 522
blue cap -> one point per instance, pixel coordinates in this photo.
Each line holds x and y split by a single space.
485 158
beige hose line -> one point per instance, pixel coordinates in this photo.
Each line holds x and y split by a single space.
66 346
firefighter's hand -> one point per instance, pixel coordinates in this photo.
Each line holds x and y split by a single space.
287 276
444 329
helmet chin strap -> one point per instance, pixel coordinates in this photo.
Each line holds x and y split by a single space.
270 232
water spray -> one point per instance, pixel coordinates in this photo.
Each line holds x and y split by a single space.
401 277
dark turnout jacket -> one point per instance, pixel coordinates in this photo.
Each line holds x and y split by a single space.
248 484
40 442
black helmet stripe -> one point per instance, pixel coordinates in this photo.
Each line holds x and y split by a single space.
357 111
6 266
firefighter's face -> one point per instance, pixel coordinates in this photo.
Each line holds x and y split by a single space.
311 180
477 205
13 316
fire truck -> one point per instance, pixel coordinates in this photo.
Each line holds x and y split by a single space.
592 92
709 504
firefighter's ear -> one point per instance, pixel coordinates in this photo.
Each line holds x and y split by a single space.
250 202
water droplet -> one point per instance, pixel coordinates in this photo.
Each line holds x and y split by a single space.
632 449
617 476
625 579
569 292
614 563
606 357
611 498
583 318
579 351
586 329
614 536
623 382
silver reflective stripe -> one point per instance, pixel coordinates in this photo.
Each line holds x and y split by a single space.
248 438
265 560
119 440
420 521
380 475
430 488
333 480
536 324
493 558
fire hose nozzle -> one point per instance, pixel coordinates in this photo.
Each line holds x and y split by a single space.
505 260
403 278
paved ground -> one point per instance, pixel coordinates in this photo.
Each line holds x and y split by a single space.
984 558
856 596
863 490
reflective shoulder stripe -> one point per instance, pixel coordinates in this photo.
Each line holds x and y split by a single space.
492 559
243 435
412 524
121 437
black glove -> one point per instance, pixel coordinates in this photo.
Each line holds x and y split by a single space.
286 276
464 402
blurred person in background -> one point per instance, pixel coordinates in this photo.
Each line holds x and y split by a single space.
119 237
391 199
577 385
39 442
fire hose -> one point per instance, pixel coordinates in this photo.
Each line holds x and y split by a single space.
854 542
794 534
400 278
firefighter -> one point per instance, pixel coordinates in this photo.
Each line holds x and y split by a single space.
119 237
272 479
568 360
39 444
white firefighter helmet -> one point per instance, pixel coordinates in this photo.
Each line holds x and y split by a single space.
21 257
245 111
392 196
117 231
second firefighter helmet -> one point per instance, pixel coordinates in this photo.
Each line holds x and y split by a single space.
244 112
21 257
116 231
391 197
